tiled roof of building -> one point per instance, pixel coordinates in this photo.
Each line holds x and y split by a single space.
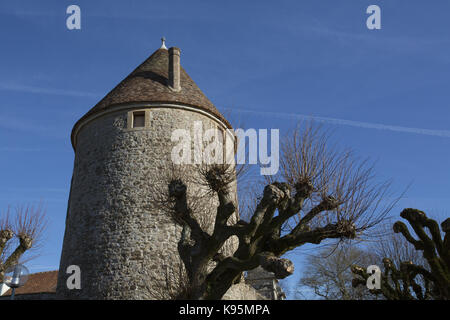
41 282
149 83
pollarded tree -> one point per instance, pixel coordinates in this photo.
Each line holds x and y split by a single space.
328 274
319 193
387 243
19 234
410 281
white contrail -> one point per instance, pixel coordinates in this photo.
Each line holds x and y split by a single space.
41 90
343 122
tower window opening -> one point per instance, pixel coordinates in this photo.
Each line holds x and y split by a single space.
139 119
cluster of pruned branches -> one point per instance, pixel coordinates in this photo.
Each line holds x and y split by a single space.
19 234
410 281
319 193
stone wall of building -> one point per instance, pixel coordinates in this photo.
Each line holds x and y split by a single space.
242 291
265 283
123 242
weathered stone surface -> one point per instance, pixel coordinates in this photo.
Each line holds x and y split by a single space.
265 283
242 291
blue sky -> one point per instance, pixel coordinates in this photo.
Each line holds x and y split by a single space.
266 63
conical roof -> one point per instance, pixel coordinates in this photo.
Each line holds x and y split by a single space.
149 83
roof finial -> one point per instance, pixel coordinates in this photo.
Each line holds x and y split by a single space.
163 45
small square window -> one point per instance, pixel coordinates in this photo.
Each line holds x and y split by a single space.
139 119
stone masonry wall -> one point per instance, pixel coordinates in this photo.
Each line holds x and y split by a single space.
124 244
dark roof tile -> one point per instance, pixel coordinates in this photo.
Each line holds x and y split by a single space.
148 83
41 282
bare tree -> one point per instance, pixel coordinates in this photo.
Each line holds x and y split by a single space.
19 234
319 193
387 243
410 281
329 276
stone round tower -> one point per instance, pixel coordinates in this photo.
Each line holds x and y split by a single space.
121 241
